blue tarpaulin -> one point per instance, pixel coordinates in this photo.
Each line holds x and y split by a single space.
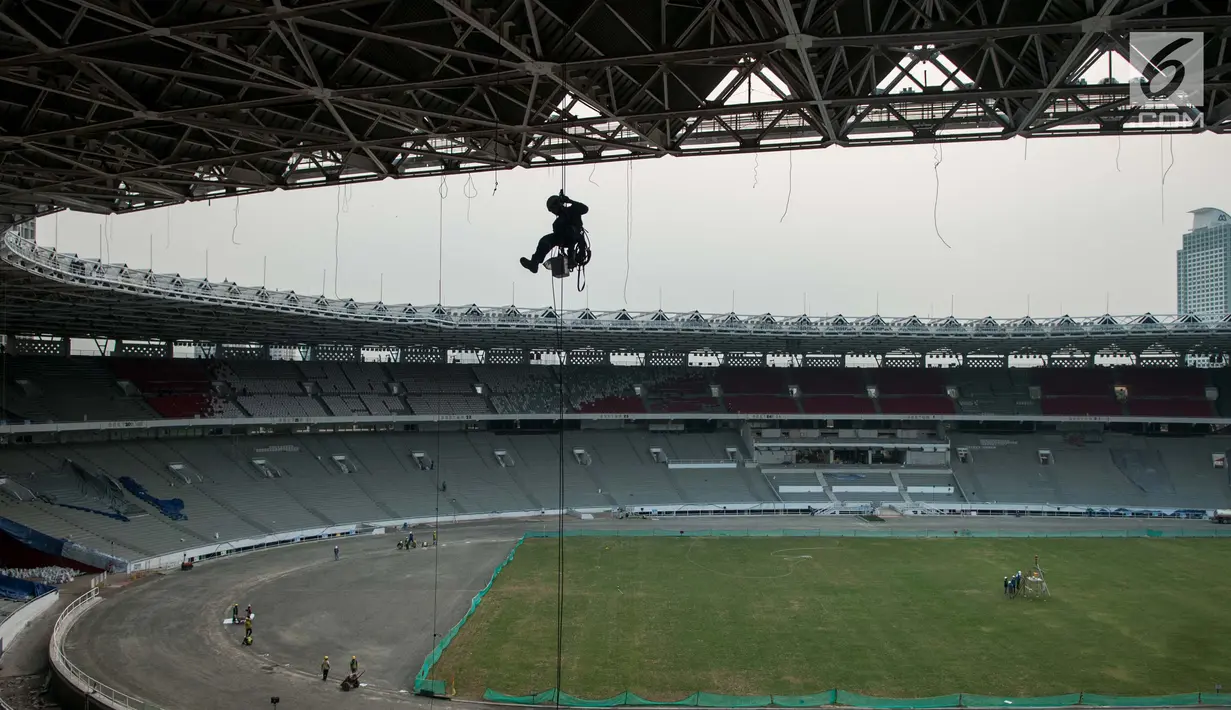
20 589
105 513
32 538
171 507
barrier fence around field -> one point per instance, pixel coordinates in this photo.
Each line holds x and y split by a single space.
846 698
424 684
1209 530
94 690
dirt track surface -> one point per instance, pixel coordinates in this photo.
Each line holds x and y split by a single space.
163 638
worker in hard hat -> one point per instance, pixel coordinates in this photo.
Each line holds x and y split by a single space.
325 669
567 233
234 613
354 664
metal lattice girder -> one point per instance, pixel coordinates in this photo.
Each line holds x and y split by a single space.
119 105
51 293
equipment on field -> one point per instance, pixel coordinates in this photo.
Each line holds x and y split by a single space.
351 681
1034 586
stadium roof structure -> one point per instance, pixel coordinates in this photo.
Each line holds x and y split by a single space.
117 106
46 293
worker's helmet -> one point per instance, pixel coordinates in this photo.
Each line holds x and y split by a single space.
326 658
554 202
352 658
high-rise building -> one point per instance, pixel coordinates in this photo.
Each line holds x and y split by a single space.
1203 266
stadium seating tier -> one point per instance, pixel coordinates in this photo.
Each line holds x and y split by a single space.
43 389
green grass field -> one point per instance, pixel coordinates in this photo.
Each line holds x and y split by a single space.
664 617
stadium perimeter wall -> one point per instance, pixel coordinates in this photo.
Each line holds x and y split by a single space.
26 613
217 550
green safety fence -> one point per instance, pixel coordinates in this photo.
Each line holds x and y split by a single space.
830 697
849 699
1218 531
437 687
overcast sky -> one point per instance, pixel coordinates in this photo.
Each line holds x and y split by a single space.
1064 225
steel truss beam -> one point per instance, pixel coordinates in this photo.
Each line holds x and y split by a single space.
113 107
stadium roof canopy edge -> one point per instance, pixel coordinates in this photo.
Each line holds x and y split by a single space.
112 107
55 294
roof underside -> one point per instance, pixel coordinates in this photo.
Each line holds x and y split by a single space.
48 293
111 106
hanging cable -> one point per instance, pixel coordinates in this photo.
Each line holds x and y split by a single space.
235 223
561 503
443 191
4 327
496 137
756 169
436 549
1025 148
628 226
582 250
790 183
108 232
471 192
337 240
590 177
1162 185
560 507
938 154
1118 138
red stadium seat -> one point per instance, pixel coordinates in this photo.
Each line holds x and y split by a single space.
916 405
923 381
761 404
1084 406
838 404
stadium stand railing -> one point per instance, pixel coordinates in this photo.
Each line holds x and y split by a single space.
86 685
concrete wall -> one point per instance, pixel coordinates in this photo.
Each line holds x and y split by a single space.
20 619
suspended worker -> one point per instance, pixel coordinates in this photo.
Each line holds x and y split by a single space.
567 232
325 669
